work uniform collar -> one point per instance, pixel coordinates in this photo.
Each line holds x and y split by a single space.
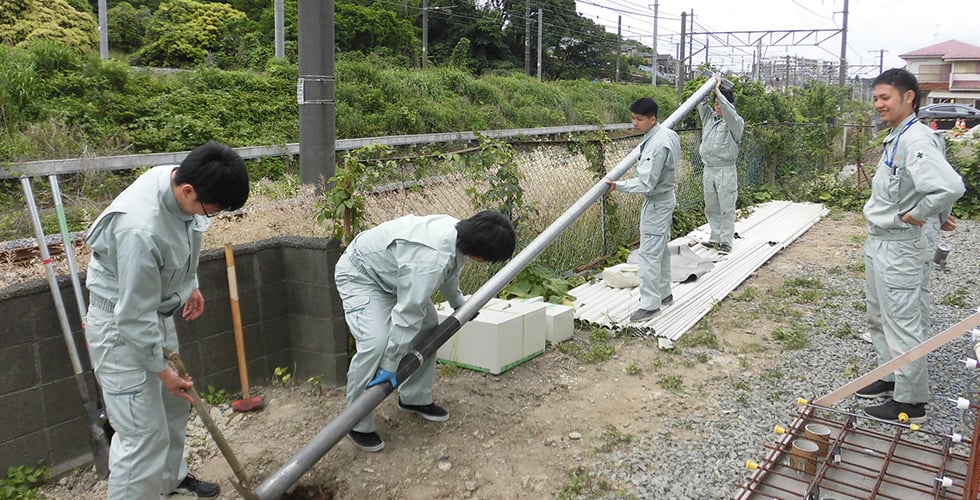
169 202
902 126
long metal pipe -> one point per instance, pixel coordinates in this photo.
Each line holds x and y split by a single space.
279 481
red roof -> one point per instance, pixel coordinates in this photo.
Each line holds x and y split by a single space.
950 49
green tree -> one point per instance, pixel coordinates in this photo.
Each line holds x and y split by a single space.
184 32
127 26
22 21
369 28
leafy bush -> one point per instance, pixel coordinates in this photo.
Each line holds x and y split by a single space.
22 482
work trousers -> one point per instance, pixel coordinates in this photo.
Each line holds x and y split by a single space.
655 221
367 309
720 195
146 453
897 279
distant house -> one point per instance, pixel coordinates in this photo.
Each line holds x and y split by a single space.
947 72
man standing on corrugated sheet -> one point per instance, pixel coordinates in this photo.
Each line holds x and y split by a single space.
720 134
656 172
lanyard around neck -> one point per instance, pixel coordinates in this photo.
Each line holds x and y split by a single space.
890 159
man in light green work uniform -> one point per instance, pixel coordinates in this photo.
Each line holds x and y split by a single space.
913 187
656 172
145 249
385 278
720 134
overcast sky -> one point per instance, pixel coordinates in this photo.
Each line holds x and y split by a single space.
897 26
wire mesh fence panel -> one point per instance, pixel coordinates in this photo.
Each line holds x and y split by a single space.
552 178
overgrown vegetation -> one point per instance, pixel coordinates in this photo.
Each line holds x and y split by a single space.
22 482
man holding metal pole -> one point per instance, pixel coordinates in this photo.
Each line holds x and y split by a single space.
720 134
143 270
656 172
385 279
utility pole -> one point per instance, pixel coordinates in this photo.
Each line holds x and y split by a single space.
842 78
527 37
278 19
540 34
881 59
425 34
103 31
786 79
316 93
690 44
680 57
655 60
619 44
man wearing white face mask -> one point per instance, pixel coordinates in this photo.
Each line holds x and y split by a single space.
145 250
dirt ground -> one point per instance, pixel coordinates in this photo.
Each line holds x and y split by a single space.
521 434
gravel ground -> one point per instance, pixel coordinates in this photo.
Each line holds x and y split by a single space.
712 465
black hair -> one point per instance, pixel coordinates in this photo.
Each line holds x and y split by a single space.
218 175
902 80
488 235
728 95
645 106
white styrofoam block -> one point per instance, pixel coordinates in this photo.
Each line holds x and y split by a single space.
502 336
490 342
559 320
533 316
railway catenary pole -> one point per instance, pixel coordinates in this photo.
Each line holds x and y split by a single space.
276 484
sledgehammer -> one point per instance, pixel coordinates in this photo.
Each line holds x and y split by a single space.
246 403
174 359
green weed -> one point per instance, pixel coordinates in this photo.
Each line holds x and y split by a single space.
792 338
22 482
215 397
672 383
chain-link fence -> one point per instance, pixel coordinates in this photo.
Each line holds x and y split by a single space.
553 178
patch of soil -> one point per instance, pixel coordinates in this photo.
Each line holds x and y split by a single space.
520 434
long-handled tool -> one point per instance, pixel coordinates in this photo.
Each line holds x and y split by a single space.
174 359
96 418
246 403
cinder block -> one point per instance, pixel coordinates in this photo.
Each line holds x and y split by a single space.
503 336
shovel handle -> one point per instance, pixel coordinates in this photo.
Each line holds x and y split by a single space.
219 439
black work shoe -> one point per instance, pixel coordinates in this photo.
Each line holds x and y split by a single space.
724 248
367 441
667 300
892 411
709 244
431 412
877 389
643 314
193 487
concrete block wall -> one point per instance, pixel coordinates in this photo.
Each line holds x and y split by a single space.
291 317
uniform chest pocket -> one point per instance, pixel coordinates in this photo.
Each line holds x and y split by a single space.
895 187
175 266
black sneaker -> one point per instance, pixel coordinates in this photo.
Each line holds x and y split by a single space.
709 244
892 410
431 412
667 300
724 248
367 441
192 487
643 314
879 389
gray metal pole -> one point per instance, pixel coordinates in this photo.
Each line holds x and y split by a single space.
655 59
842 76
680 59
279 19
315 93
103 31
540 34
276 484
425 34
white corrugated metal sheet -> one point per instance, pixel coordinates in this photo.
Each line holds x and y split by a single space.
770 228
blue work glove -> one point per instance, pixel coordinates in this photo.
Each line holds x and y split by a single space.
384 376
